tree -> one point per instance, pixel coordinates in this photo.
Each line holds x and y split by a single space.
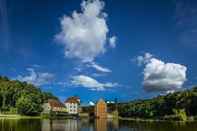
180 114
48 95
27 106
27 98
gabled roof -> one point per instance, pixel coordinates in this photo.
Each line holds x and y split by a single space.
73 99
101 101
55 103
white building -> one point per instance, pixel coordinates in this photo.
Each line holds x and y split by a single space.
72 105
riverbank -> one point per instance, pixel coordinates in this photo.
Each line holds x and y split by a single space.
139 119
42 116
85 116
189 119
17 116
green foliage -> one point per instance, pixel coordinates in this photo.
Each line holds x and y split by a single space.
28 105
16 96
45 115
178 105
23 105
115 114
48 95
181 114
13 110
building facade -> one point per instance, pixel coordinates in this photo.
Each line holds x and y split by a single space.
100 109
72 105
53 105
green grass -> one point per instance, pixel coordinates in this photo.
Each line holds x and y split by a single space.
17 116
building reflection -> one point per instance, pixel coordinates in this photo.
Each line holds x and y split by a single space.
63 125
101 124
72 125
80 125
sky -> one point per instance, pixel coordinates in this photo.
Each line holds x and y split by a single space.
100 48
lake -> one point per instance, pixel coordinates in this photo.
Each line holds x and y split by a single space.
92 125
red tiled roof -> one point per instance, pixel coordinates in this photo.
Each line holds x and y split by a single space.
73 99
55 103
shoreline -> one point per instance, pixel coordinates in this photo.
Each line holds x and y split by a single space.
140 119
153 120
17 116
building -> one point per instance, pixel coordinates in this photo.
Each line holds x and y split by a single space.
53 105
100 110
72 105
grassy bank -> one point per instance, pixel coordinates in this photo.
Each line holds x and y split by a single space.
189 119
85 116
42 116
17 116
140 119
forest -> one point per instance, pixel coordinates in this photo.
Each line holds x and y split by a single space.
21 98
180 105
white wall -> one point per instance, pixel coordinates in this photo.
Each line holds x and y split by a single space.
72 108
46 108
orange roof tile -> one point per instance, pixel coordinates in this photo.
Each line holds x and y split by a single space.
73 99
55 103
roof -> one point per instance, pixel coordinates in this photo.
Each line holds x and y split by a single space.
55 103
73 99
101 101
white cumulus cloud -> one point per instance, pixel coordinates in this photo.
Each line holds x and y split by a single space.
112 41
91 83
99 67
91 103
84 34
36 78
161 76
144 59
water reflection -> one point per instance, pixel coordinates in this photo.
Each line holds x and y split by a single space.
92 125
20 125
101 124
61 125
113 124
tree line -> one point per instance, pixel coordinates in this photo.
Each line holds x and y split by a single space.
176 106
21 97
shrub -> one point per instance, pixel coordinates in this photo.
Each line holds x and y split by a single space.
181 114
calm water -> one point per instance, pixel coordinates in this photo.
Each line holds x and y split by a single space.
97 125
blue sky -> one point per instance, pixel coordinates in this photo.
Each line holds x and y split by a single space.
112 49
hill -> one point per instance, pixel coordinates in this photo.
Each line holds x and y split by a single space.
21 98
176 106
